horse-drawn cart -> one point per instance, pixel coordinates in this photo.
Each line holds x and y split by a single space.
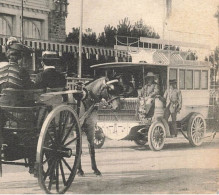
48 138
44 129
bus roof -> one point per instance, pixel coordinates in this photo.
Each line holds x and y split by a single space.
131 64
123 64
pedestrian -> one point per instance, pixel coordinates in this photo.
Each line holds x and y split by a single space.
173 99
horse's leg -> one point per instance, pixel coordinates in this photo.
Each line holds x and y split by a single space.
80 171
90 138
90 127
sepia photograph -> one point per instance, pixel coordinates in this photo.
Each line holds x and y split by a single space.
109 96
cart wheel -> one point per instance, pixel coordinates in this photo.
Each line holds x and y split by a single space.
196 129
99 137
140 142
58 150
156 136
0 160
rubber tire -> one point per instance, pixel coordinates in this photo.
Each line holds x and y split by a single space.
189 132
150 134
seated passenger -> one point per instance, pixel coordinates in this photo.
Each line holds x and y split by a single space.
148 93
128 89
13 76
50 77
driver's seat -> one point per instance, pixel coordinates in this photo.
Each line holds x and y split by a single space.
20 97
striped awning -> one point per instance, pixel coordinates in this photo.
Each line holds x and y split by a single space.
149 56
160 58
66 48
175 57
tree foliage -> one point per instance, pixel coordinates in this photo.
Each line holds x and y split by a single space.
107 37
73 37
124 27
88 38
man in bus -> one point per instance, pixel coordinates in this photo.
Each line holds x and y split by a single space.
148 93
173 99
128 89
50 77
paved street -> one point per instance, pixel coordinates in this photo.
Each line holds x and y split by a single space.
127 168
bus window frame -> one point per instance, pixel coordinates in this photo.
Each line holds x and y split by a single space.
175 69
186 87
207 71
184 70
200 71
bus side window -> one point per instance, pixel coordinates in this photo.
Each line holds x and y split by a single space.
197 77
181 79
204 79
189 79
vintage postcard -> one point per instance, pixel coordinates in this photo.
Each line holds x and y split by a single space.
109 97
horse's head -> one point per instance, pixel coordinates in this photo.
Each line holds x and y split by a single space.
106 89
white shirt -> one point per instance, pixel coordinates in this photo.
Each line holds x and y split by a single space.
47 67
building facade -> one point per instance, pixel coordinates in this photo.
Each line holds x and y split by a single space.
42 19
44 28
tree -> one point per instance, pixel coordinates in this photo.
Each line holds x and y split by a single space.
107 38
88 38
73 37
142 30
124 27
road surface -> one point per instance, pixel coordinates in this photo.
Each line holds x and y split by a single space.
127 168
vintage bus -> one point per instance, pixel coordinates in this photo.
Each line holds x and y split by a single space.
193 80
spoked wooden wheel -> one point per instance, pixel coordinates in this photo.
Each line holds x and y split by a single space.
0 160
196 129
99 137
58 150
156 136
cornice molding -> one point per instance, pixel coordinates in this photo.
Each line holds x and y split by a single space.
25 8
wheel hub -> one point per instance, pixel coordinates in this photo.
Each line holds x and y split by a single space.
65 152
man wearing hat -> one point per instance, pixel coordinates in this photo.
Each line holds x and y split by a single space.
173 99
148 93
12 75
49 77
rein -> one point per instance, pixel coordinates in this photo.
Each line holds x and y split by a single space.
92 99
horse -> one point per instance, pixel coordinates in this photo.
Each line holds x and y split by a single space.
96 90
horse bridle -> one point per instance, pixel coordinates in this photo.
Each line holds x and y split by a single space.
100 94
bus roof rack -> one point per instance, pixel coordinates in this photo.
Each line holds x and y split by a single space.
175 43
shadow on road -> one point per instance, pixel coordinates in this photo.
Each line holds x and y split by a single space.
168 146
151 181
